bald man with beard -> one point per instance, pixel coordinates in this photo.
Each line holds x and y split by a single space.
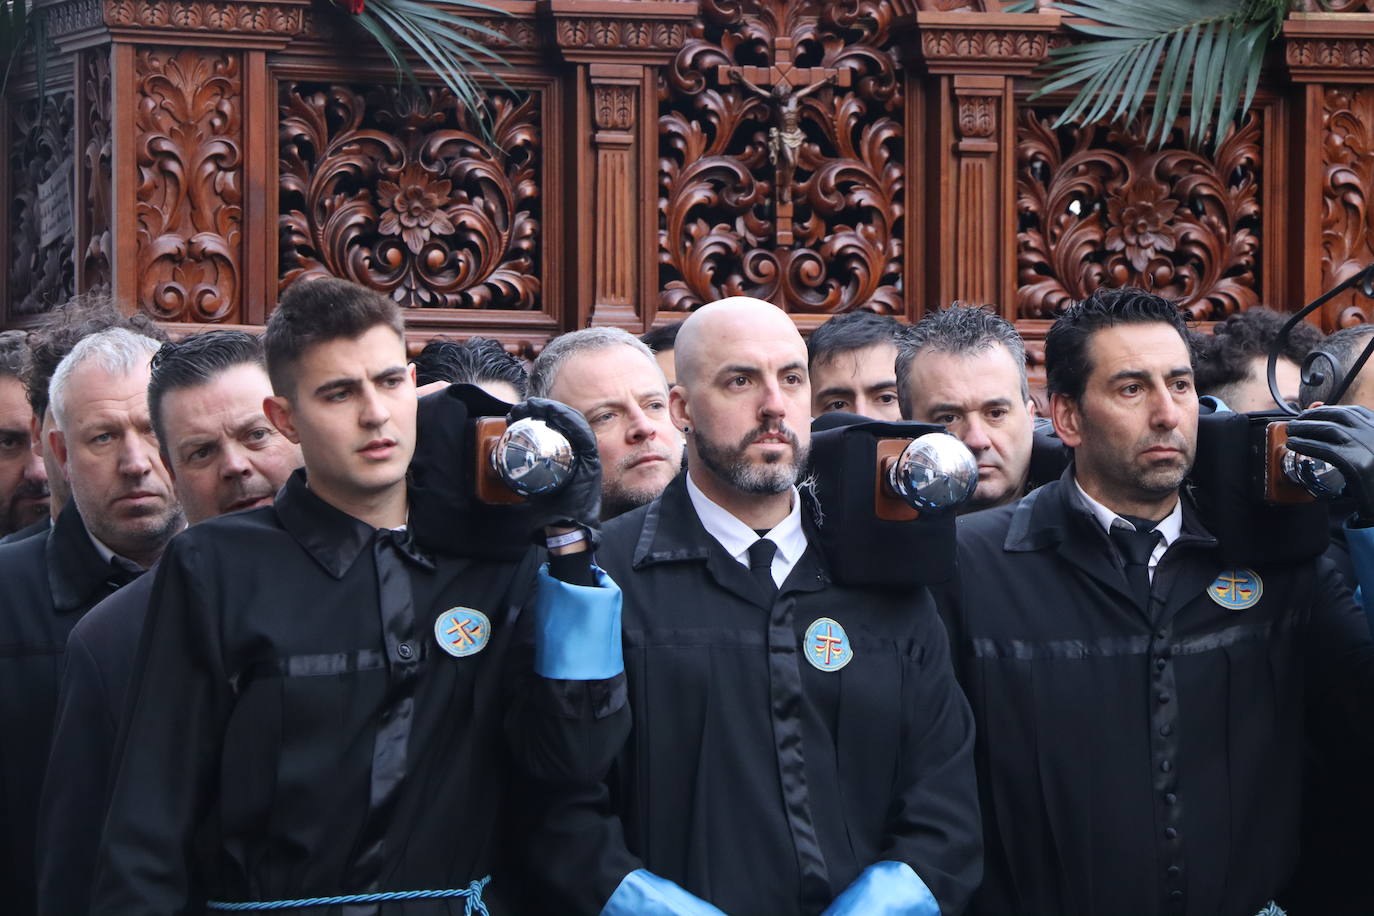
798 747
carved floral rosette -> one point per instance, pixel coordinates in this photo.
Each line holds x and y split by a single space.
1096 207
717 231
399 192
42 137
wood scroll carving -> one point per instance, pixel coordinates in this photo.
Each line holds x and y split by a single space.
42 272
189 151
1096 208
400 193
96 163
1347 194
718 231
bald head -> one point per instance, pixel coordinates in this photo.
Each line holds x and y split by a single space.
736 318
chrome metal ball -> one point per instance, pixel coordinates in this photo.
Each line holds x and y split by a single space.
1320 478
936 473
532 457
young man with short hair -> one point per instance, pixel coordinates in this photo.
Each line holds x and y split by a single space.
853 365
323 708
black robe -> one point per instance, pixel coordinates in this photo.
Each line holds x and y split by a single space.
1143 758
751 778
49 582
294 730
97 668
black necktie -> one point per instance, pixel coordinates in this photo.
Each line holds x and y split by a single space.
761 565
121 573
1136 548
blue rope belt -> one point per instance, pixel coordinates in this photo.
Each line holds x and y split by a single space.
473 893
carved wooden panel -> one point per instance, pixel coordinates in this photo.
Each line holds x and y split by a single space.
96 162
42 272
1347 195
1097 208
189 141
719 226
400 192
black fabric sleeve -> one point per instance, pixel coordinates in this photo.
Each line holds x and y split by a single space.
1340 666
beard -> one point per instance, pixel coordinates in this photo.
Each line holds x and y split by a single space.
732 464
619 497
16 517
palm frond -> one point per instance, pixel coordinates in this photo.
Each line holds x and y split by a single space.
1208 50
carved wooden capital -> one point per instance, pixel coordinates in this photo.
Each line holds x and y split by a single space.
645 31
977 116
1330 47
613 107
1003 43
235 19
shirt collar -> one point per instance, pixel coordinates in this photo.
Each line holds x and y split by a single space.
736 537
1170 527
112 558
333 537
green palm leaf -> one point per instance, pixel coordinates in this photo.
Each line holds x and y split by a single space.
1208 50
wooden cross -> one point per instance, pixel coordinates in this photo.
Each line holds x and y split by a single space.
783 86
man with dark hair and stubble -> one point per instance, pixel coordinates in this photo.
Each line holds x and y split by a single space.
121 514
205 400
661 341
23 479
1141 703
1233 362
965 367
853 365
49 342
478 361
323 707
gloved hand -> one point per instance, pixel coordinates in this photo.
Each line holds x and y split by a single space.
578 501
1343 436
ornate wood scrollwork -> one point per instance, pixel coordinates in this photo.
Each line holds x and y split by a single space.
1097 208
399 192
1347 192
190 215
718 205
42 270
96 162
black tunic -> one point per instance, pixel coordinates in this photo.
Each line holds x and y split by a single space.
751 778
97 668
1143 758
294 730
50 581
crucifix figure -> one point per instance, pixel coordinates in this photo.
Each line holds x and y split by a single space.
783 86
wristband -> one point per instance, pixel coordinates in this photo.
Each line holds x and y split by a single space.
565 540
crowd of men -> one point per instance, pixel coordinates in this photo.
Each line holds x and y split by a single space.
261 648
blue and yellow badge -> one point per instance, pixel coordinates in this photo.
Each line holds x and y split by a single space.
461 631
827 645
1236 589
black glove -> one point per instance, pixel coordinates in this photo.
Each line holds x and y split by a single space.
578 501
1344 436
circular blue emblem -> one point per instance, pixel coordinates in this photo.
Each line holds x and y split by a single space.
461 631
1236 589
827 645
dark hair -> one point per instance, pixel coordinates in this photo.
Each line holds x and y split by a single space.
661 339
851 331
14 354
1224 359
1343 347
318 311
471 362
196 361
1066 345
962 330
62 328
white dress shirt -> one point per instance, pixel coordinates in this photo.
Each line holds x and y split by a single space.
1170 527
737 537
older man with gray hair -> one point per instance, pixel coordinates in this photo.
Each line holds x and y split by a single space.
612 378
966 368
121 515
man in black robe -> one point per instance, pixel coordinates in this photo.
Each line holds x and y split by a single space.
1141 705
121 515
324 709
205 402
798 746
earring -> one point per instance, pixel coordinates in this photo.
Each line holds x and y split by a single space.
686 429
